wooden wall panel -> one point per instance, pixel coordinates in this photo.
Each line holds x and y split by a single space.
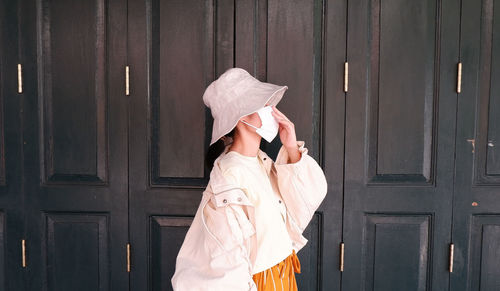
397 246
76 250
73 91
180 63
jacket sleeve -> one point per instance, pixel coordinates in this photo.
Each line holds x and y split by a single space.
229 242
302 184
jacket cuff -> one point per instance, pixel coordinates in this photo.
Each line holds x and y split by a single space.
282 157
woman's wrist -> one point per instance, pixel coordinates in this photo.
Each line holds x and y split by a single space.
294 153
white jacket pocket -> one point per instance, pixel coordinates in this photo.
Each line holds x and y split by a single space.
226 220
229 239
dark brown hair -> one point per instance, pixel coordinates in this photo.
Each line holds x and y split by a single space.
214 151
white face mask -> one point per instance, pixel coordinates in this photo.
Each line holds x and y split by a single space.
270 126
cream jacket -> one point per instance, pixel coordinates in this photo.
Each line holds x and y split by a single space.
217 257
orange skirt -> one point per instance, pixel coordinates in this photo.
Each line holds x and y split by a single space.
280 277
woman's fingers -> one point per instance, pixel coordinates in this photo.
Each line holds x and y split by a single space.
281 117
283 121
287 128
280 113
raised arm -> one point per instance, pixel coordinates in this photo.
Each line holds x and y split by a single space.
302 184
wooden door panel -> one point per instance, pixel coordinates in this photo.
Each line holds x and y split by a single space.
484 252
167 234
72 92
402 101
401 105
76 144
77 249
180 59
398 245
294 58
12 192
476 208
486 157
399 144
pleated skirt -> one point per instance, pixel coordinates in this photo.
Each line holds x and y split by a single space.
280 277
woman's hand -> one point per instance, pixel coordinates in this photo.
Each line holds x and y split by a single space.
287 135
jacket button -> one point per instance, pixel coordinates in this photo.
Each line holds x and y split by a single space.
279 200
225 200
239 199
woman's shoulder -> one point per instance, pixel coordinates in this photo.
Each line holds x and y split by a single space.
234 169
229 165
234 160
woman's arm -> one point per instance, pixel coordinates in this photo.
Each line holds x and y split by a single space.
231 236
302 184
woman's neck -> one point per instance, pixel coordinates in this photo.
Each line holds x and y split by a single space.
246 147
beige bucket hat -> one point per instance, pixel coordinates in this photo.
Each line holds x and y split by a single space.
235 94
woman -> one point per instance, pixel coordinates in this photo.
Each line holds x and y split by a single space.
249 224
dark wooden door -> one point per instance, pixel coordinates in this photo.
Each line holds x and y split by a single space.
412 165
75 144
400 134
176 49
476 212
12 228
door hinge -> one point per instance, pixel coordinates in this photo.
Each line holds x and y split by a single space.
127 80
341 257
452 250
459 78
23 251
346 76
128 257
19 79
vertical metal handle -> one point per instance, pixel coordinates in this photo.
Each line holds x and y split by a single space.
342 257
346 76
452 249
23 247
459 78
128 258
127 80
19 79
